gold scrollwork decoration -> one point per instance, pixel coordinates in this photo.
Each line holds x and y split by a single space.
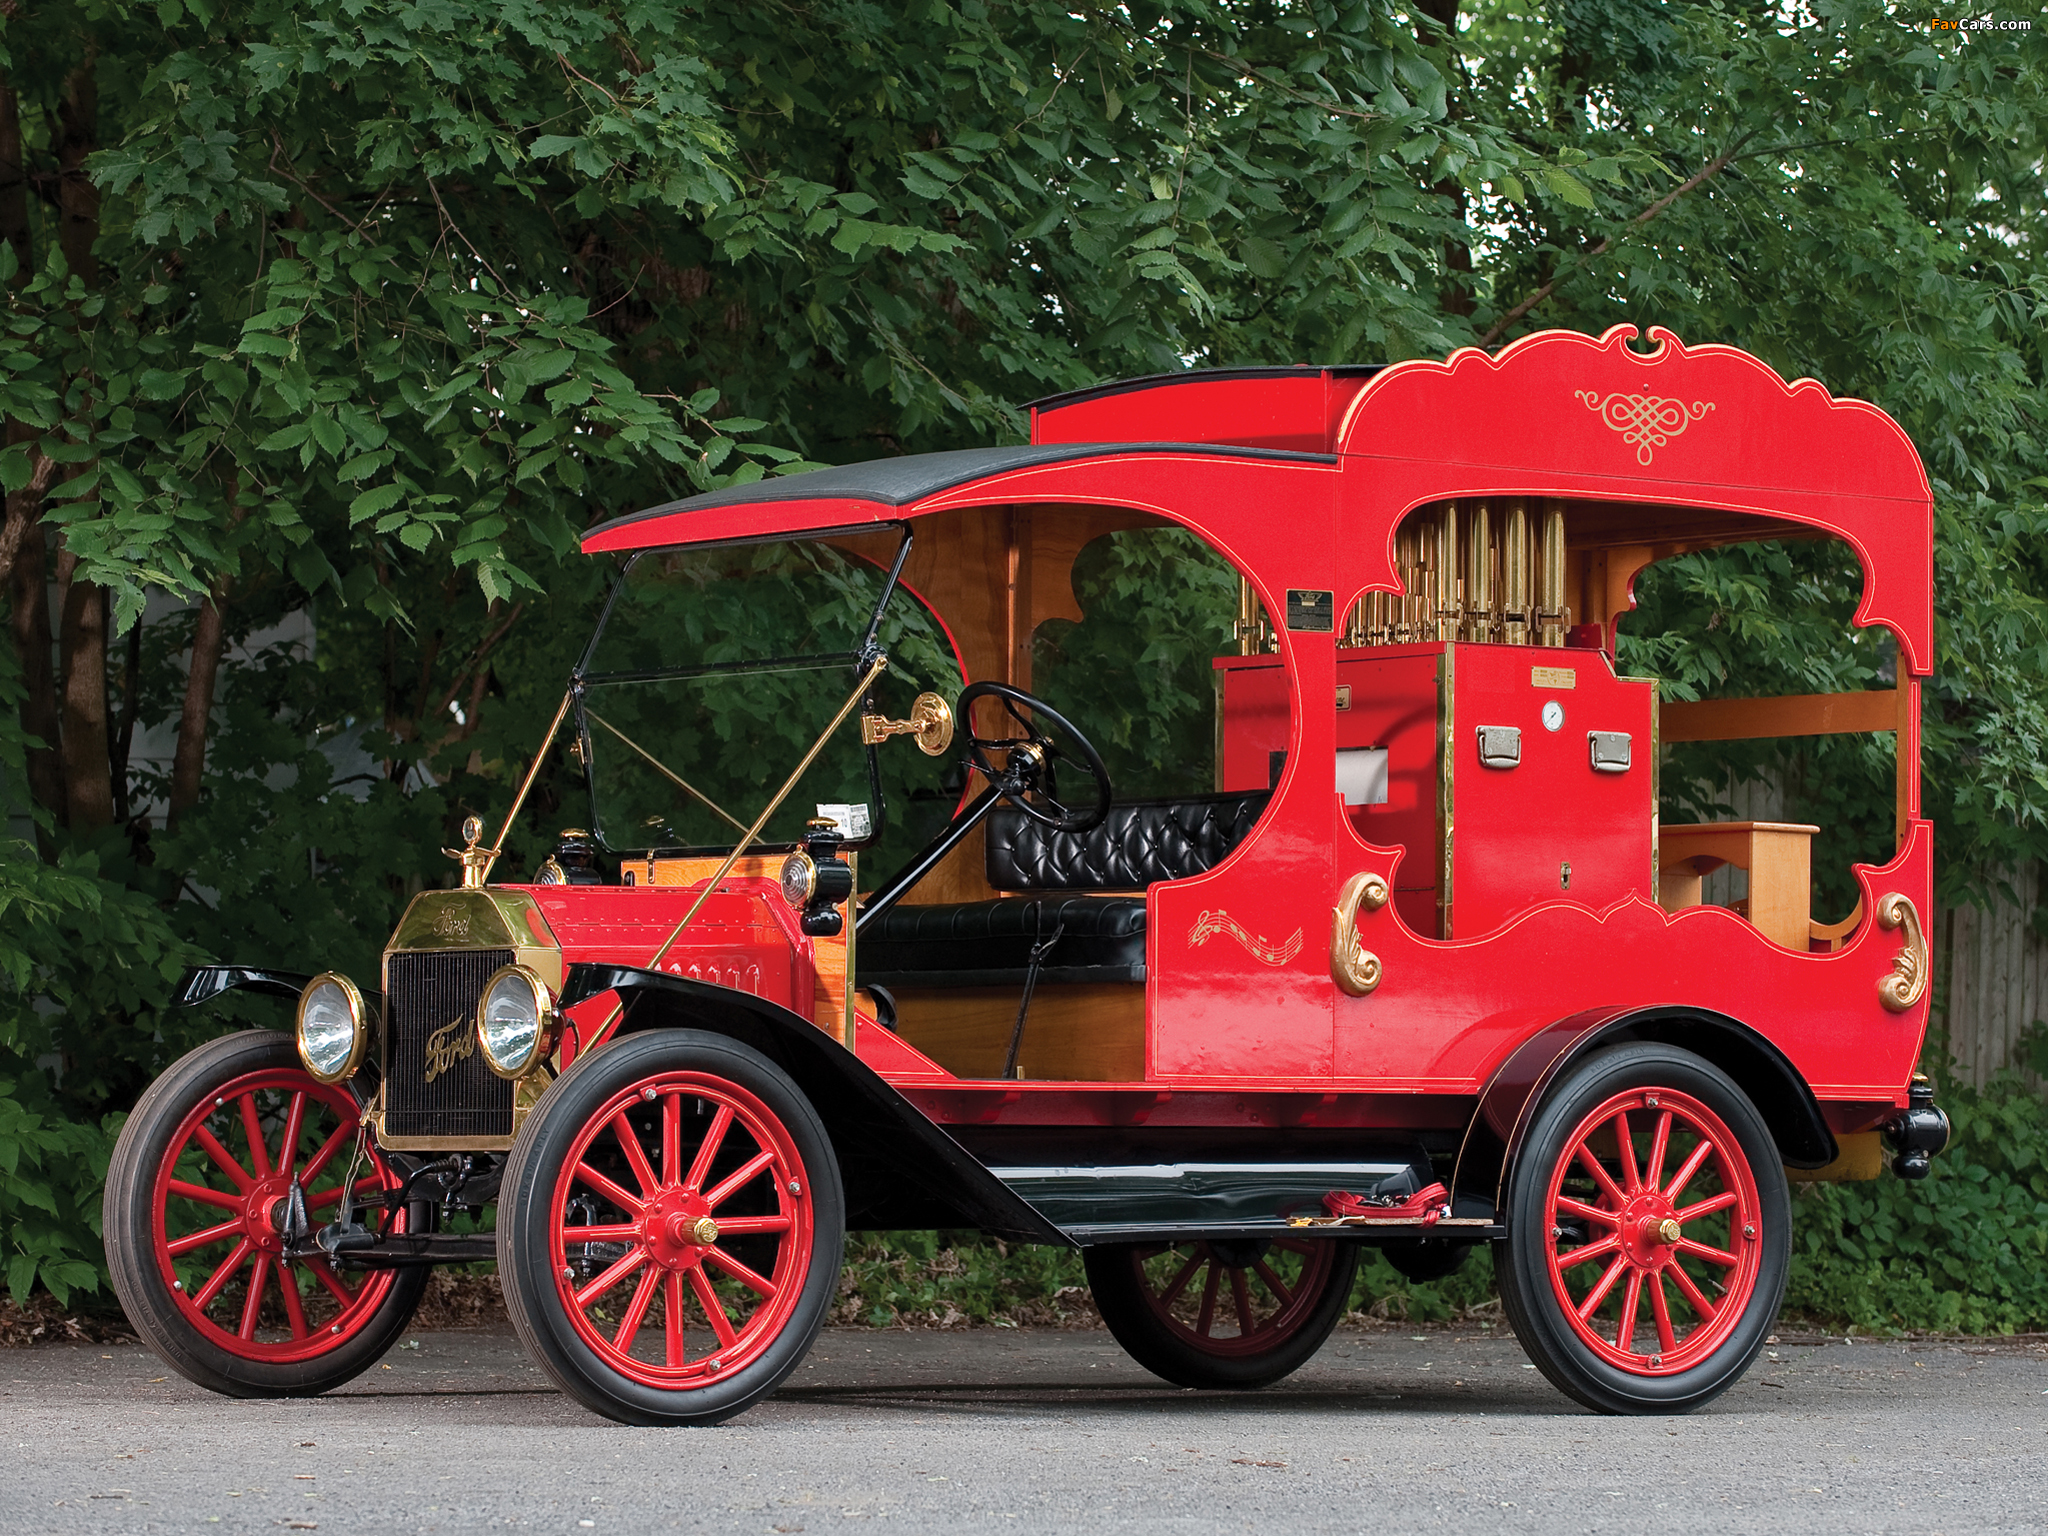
1354 968
1647 421
1904 985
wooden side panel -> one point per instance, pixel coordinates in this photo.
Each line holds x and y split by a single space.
1801 714
1093 1034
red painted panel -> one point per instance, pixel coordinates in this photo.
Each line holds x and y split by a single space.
1255 710
1394 704
1298 410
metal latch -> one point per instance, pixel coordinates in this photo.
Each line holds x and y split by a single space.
1500 746
1609 751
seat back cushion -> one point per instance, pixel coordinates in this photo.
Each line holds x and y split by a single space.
1139 843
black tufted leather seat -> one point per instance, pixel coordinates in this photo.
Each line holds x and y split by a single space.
988 943
1140 843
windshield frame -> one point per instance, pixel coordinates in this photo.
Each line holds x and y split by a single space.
857 662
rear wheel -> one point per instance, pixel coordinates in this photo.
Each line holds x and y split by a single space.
199 1198
1225 1312
669 1228
1648 1233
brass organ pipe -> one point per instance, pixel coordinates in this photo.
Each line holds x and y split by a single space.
1478 558
1445 624
1551 578
1515 573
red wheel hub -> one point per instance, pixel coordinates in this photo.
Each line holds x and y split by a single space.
1235 1299
1656 1235
682 1230
219 1209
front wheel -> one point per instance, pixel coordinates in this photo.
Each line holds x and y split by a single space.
670 1228
200 1197
1648 1233
1222 1313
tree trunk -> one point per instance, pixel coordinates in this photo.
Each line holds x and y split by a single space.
88 770
189 759
78 200
30 618
13 181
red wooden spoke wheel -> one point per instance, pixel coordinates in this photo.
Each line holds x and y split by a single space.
670 1228
201 1201
1222 1312
1658 1216
1648 1232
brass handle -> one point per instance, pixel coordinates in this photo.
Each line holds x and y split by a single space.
1353 967
931 722
1906 982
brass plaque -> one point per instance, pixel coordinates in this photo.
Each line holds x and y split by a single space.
1553 677
1343 695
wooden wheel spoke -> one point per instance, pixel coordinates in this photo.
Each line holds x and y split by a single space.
714 1309
294 1309
204 1196
1708 1206
636 1158
252 1124
636 1310
1631 1176
1712 1255
1205 1321
1273 1283
1601 1176
707 1152
1586 1255
323 1271
1666 1336
203 1298
673 1351
204 1239
631 1260
739 1178
1241 1295
1688 1168
1695 1298
612 1232
1660 1143
294 1123
753 1226
252 1304
223 1159
1295 1245
1602 1286
1586 1212
631 1204
759 1284
1631 1297
672 1138
1180 1282
325 1155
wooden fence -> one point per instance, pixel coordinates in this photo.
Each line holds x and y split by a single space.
1991 978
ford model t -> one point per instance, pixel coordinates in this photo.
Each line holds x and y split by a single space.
860 931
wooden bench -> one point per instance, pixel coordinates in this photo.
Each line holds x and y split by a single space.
1778 856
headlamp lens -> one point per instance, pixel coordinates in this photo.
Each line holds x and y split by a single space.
330 1028
510 1020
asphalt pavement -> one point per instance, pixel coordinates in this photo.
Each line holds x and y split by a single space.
999 1430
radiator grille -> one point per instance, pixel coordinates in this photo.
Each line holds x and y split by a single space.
428 991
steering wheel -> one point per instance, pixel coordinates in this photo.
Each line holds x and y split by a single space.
1020 766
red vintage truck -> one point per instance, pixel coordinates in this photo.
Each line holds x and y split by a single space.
860 934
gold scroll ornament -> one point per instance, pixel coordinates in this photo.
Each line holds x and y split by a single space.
1648 421
1906 982
1353 967
1215 920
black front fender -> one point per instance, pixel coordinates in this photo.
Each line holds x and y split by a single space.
900 1168
203 983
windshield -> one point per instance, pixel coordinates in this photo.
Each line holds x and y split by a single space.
716 670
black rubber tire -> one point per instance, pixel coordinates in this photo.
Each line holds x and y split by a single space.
1521 1259
1130 1318
524 1267
154 1312
1427 1259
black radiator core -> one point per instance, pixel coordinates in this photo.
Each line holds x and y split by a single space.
427 993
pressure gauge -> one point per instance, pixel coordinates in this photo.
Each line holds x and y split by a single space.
1553 715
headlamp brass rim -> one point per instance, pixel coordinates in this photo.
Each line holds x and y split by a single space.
545 1018
801 895
359 1019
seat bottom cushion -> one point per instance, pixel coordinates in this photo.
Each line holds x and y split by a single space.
988 943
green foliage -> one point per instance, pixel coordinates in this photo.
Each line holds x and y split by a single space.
1965 1251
